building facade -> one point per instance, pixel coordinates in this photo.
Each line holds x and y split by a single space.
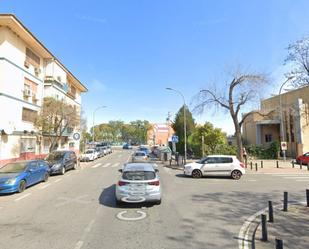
293 128
160 134
28 73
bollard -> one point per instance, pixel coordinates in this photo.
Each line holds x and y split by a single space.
246 162
277 162
264 227
307 197
301 164
251 165
279 243
293 166
285 201
256 167
261 164
270 212
307 166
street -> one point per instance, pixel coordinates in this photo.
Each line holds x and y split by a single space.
78 210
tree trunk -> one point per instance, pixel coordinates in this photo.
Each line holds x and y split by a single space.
238 139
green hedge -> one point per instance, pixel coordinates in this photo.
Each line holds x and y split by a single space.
264 153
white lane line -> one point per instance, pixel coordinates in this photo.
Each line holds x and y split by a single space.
88 228
302 180
58 180
79 245
97 165
296 177
115 165
22 197
251 180
45 186
106 165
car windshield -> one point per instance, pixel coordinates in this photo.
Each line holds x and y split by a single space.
55 156
138 175
139 154
202 161
15 167
89 152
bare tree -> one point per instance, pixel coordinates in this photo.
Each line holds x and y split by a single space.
298 57
55 118
242 89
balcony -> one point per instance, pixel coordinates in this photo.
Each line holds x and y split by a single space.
51 80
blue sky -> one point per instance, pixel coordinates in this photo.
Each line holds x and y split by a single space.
126 52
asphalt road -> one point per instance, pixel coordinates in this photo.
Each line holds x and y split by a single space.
78 210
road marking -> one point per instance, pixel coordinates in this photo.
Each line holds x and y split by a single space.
302 180
251 180
97 165
106 165
22 197
296 177
58 180
79 245
115 165
45 186
120 216
88 228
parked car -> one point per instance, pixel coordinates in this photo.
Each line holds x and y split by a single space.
100 152
139 182
140 156
304 159
109 149
17 176
145 149
126 147
61 161
89 155
216 165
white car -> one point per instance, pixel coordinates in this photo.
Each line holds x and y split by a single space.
216 165
89 155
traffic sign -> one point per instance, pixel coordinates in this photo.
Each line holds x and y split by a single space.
76 136
284 146
175 139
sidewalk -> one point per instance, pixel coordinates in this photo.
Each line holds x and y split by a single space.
292 227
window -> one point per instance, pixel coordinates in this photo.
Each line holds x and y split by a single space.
32 58
226 160
268 138
212 160
29 115
27 145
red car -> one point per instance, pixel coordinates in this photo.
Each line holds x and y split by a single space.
304 159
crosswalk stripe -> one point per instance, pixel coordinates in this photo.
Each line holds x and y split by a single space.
97 165
106 165
302 180
115 165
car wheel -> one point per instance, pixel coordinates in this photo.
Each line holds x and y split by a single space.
196 173
46 176
22 186
159 202
119 203
236 174
62 170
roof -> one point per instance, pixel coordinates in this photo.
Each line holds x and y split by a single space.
138 167
11 21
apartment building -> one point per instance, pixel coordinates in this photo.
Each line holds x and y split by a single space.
28 73
294 110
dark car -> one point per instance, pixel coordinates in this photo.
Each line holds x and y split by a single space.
61 161
303 159
16 176
126 147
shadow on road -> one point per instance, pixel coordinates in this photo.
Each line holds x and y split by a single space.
107 198
204 177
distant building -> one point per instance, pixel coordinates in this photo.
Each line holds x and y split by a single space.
263 130
159 134
28 73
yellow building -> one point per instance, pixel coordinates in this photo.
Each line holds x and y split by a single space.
263 130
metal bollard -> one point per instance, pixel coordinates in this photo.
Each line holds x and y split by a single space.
293 166
307 197
307 166
277 162
264 227
261 164
285 201
279 243
301 164
270 212
256 167
251 165
246 162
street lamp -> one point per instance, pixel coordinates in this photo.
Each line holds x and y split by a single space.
184 117
281 115
103 106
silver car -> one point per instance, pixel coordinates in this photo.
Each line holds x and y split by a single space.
140 156
139 182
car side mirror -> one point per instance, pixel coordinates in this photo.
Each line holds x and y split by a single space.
120 170
156 170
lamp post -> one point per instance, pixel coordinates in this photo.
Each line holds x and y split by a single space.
281 115
184 122
103 106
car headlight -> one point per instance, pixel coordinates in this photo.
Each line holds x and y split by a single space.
57 165
11 181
